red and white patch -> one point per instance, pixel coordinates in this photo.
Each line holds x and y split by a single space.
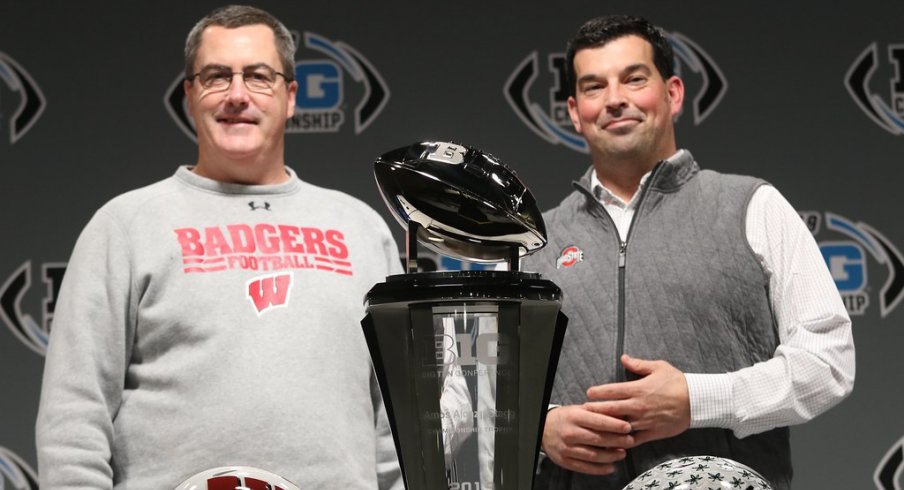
570 256
269 291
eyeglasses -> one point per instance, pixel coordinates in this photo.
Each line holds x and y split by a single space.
259 79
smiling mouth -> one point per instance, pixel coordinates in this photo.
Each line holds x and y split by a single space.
620 125
235 120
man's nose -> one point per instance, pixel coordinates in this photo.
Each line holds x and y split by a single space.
615 97
237 92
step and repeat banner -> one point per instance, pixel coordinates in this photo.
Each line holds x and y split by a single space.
808 95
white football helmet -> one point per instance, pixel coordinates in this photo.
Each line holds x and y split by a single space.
236 478
699 472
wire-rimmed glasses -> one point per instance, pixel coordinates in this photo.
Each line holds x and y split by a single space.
257 78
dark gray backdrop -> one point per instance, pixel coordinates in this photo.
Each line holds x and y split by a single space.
97 125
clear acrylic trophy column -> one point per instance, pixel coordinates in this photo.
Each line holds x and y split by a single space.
465 360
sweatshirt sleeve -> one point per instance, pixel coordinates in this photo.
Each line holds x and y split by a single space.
86 361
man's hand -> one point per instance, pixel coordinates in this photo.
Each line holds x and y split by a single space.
657 406
578 439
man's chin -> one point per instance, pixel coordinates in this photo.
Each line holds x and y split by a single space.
626 143
239 149
624 150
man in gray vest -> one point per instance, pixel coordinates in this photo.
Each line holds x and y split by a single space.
703 319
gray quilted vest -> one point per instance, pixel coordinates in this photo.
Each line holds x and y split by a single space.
683 287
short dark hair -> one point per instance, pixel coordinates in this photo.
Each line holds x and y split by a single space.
599 31
232 16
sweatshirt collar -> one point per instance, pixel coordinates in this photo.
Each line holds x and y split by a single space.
185 175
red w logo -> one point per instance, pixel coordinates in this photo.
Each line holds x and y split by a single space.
271 291
233 483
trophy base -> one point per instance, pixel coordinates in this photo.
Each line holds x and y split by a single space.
465 362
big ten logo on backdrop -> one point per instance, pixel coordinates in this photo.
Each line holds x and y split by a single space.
22 286
16 472
876 83
331 90
544 107
866 266
889 474
21 100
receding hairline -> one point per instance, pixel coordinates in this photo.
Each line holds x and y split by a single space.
235 16
648 65
273 39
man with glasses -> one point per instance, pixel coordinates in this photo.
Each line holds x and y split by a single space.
212 318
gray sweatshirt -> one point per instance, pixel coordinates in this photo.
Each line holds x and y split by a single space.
203 324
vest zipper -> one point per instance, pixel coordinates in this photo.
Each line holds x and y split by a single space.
620 373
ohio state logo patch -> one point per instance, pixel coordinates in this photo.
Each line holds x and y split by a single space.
570 256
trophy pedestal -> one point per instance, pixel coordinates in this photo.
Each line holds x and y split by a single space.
465 362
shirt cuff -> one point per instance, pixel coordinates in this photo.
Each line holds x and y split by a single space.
710 398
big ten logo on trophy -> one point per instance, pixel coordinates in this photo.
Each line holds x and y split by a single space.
327 88
847 248
23 325
469 349
548 116
21 100
14 471
868 81
448 153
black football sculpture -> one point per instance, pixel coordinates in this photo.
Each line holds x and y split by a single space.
466 203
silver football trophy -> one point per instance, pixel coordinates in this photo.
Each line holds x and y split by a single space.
465 360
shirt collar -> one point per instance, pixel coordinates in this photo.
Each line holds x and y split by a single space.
606 197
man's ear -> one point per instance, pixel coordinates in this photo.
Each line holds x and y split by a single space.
290 100
675 94
573 113
186 87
